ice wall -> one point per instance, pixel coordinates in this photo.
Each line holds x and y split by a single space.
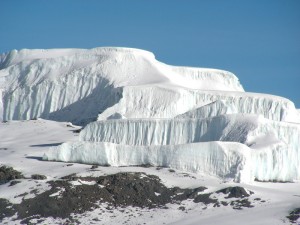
228 161
250 129
274 146
166 102
60 84
170 131
276 151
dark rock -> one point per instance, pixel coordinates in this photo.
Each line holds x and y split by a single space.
148 165
8 173
182 208
217 204
94 167
14 182
205 198
77 131
272 181
294 215
117 190
239 204
38 177
6 209
224 203
234 192
70 177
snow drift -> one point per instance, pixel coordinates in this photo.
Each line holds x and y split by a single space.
137 110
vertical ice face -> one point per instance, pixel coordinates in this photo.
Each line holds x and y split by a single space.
57 84
229 161
276 151
274 146
170 131
169 102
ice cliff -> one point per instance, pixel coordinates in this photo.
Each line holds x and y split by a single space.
136 110
76 84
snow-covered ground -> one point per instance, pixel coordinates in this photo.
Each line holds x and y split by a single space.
26 141
191 127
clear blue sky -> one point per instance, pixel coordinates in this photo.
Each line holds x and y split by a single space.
258 40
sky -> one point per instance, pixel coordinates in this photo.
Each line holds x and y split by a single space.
258 40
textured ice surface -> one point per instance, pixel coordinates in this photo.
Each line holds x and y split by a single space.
166 102
171 131
77 84
275 152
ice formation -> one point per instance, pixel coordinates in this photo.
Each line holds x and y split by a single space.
147 112
77 85
226 160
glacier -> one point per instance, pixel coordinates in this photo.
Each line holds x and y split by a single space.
137 110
